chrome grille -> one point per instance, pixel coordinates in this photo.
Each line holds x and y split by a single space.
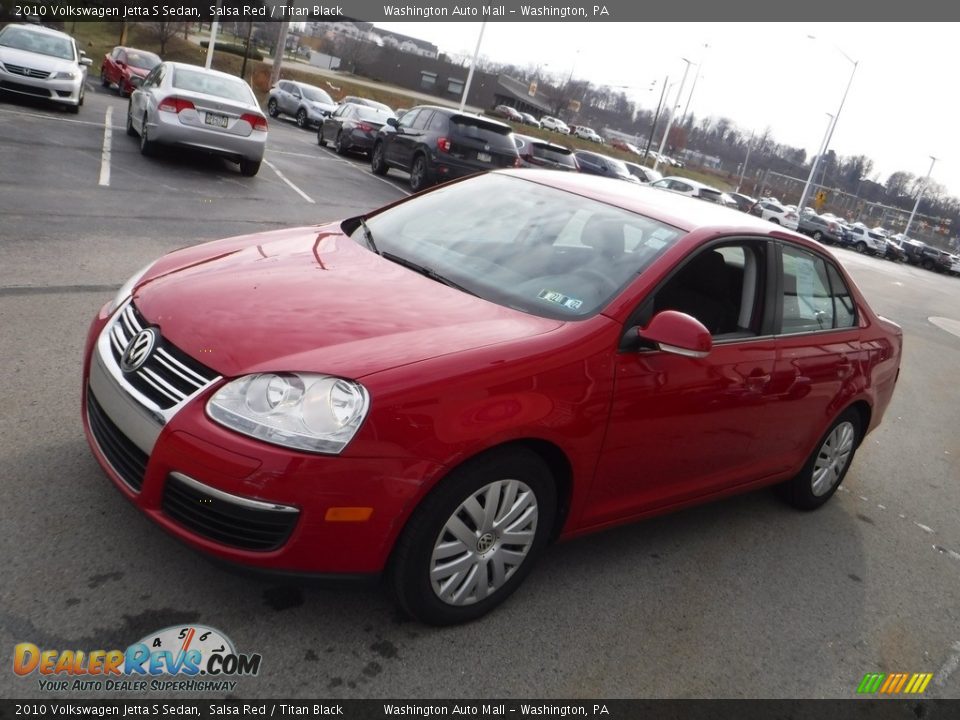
169 376
27 72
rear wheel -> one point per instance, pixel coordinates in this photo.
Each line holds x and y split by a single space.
418 174
474 539
249 168
272 108
339 145
378 163
103 78
130 131
860 247
826 467
302 118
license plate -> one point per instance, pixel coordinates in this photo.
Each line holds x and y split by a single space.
215 120
484 157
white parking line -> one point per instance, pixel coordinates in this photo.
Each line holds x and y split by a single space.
283 177
105 153
49 117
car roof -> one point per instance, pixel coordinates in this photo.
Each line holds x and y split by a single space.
450 112
694 183
677 210
41 29
201 68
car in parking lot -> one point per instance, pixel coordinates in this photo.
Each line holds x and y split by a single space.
435 144
40 62
307 103
642 172
507 113
603 165
548 122
126 68
936 259
353 127
820 228
865 240
203 110
436 390
535 152
743 202
694 189
776 213
529 119
357 100
587 133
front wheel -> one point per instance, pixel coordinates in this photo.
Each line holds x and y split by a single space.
302 121
147 146
474 539
378 163
321 141
774 221
130 130
272 108
826 467
860 247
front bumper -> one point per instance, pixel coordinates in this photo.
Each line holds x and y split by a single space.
240 500
63 91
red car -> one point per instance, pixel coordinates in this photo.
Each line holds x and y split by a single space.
126 68
440 388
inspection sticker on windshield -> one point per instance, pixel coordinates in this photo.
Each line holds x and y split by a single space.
560 299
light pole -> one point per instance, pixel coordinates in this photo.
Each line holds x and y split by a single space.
933 161
743 169
670 117
656 115
694 86
473 65
826 142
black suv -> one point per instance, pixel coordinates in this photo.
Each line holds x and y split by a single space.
535 152
435 144
597 164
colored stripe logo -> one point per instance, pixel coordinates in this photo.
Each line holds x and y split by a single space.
894 683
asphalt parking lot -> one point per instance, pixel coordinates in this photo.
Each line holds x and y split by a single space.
743 598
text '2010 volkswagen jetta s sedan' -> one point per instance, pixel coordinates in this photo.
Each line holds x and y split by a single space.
438 389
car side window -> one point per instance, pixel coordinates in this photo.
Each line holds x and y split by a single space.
438 122
408 118
722 287
807 302
843 307
295 91
423 119
151 79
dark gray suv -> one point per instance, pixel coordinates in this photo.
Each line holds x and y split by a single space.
821 229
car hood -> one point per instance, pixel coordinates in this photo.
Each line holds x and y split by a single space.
35 61
311 299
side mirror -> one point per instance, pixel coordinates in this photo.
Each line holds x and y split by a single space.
678 333
393 122
86 61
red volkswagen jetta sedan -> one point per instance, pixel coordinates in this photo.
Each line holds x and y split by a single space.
438 389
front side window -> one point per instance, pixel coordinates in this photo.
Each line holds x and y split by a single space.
521 244
409 117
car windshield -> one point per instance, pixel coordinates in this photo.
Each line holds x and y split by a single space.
521 244
21 38
373 114
210 84
143 60
619 169
554 153
497 135
315 94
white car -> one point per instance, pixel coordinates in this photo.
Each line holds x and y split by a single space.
694 189
863 240
42 63
582 131
548 122
778 214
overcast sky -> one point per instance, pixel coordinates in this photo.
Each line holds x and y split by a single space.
900 110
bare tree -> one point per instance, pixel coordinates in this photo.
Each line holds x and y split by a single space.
162 31
356 52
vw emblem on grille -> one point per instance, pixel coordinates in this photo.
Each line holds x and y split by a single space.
138 350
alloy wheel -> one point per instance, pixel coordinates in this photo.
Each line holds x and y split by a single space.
832 458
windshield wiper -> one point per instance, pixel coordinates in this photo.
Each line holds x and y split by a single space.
369 237
427 272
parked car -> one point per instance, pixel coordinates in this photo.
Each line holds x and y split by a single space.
551 123
743 202
42 63
776 213
603 165
641 172
126 68
436 390
692 188
586 133
507 113
353 127
894 251
935 259
535 152
529 119
820 228
357 100
955 264
625 146
205 110
912 249
307 103
865 240
435 144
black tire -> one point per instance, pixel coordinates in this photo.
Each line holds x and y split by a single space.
148 148
130 129
419 175
320 139
378 163
272 109
103 78
249 168
412 561
74 109
774 221
860 247
802 491
338 144
302 121
927 265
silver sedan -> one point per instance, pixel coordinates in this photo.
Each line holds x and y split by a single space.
206 110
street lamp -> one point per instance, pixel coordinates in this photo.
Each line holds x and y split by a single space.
666 132
933 161
694 86
656 116
826 142
473 65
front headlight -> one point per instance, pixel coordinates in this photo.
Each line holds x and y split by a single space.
65 75
303 411
127 289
